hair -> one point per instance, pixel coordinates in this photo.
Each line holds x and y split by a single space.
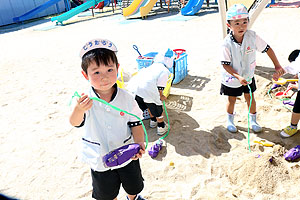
294 55
100 56
228 21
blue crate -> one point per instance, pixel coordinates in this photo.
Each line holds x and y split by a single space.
180 65
146 60
180 68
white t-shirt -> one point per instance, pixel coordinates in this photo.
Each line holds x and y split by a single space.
107 129
241 57
145 84
294 68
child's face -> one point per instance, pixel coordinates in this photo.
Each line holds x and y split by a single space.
102 77
238 26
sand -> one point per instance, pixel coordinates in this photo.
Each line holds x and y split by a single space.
40 71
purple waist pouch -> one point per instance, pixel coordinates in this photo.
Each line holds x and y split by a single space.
120 155
293 154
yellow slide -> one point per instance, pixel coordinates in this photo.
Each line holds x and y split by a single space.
134 7
245 3
147 8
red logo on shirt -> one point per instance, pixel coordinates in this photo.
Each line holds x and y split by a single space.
248 48
121 113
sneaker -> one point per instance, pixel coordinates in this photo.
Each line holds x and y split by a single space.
153 124
289 131
161 131
138 197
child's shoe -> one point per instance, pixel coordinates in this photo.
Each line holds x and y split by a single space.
254 125
153 124
289 131
230 125
138 197
162 130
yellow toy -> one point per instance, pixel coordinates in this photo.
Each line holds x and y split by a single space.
282 81
264 143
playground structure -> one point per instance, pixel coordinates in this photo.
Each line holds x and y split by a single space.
28 15
67 15
134 7
255 7
142 8
193 6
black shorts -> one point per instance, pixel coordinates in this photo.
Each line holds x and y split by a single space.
106 185
296 108
156 110
235 92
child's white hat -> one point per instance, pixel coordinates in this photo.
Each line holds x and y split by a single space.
237 11
97 43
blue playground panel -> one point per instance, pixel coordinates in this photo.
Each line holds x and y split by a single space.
192 7
36 10
179 71
67 15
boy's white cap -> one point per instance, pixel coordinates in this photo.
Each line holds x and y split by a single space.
237 11
97 43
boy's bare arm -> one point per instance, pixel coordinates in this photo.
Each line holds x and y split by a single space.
161 94
83 104
279 70
231 71
139 138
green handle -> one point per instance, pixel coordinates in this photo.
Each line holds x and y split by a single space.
118 109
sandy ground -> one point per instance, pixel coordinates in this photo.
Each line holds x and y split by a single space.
40 71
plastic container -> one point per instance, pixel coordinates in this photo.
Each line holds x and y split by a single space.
146 60
179 70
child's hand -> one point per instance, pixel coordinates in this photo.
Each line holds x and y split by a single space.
279 70
163 98
141 152
84 103
242 80
276 76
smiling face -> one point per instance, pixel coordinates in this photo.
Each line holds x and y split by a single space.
238 27
102 77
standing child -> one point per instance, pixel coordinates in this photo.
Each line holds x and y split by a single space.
294 68
148 86
105 128
239 62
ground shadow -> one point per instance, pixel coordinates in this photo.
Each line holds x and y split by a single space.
189 141
274 136
213 8
87 16
82 17
26 24
192 82
267 72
